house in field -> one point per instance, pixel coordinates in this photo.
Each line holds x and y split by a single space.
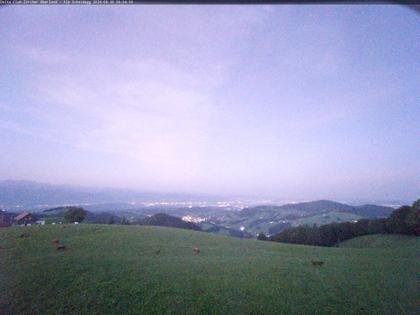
25 218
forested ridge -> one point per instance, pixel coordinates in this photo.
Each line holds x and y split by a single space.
404 220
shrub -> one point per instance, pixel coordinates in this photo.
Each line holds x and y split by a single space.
262 237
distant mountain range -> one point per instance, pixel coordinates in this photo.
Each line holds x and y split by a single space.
319 206
271 219
29 194
104 203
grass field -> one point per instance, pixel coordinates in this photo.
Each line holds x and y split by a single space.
118 269
264 219
321 219
382 241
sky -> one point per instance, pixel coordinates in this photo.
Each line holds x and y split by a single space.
298 101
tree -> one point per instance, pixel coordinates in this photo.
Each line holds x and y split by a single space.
124 221
163 219
74 214
416 205
262 237
377 226
361 227
412 220
397 221
111 220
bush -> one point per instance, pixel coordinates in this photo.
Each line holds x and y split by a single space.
262 237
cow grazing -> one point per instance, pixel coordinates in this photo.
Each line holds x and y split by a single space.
196 250
55 241
317 263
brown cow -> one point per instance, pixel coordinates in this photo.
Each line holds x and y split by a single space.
196 250
61 247
55 241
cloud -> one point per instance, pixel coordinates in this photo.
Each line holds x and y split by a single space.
153 110
230 98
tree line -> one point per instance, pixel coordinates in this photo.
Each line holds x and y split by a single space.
77 214
404 220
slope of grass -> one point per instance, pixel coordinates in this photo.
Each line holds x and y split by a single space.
382 241
152 270
326 218
262 220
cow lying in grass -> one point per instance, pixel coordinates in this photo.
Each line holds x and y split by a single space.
57 243
61 247
196 250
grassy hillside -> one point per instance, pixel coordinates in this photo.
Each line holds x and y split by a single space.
382 241
152 270
326 218
271 219
264 218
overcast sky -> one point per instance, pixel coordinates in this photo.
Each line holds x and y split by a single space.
286 101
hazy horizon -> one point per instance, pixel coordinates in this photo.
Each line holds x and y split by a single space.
299 102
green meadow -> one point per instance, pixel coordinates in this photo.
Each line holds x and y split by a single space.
115 269
383 241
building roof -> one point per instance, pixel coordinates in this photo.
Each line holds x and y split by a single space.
21 216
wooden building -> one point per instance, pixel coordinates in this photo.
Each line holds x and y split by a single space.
24 218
